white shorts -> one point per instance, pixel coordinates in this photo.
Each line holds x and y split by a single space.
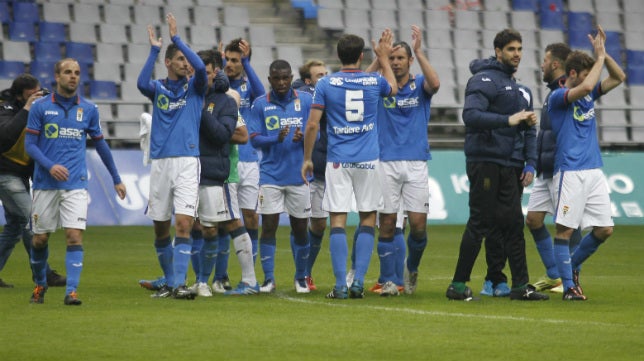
248 189
217 204
542 196
582 199
404 186
52 209
174 184
294 200
360 178
317 194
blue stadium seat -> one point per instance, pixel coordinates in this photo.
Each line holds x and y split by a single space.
309 9
80 51
579 40
4 13
551 15
525 5
635 75
44 51
580 21
635 58
102 89
614 45
11 69
22 31
25 12
52 32
44 71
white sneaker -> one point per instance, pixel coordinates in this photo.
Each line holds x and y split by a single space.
203 290
301 286
267 287
389 289
350 276
218 287
410 279
558 289
194 287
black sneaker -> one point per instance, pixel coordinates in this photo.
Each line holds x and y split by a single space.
56 280
4 284
38 295
183 293
453 295
574 294
356 290
226 283
528 293
163 292
71 299
575 280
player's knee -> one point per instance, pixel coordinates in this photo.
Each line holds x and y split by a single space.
603 233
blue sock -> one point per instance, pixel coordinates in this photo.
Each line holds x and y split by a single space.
353 248
315 241
400 249
73 267
562 255
221 267
587 247
339 252
387 255
300 249
208 258
364 249
197 245
38 260
165 255
416 248
253 234
180 260
546 250
267 257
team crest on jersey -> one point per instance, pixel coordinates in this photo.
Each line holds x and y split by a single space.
389 102
412 86
272 122
79 114
243 87
163 102
185 87
211 107
298 107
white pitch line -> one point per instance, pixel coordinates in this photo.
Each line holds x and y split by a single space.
447 314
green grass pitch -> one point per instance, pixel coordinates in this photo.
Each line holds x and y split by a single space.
119 321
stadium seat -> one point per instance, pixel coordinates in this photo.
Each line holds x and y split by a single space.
330 4
440 57
437 19
44 51
292 54
633 22
264 55
469 20
87 13
44 71
5 16
466 39
117 14
132 70
110 53
16 50
407 18
580 21
203 36
105 111
438 4
614 98
550 36
375 4
11 69
634 57
637 122
445 97
523 20
180 11
236 16
635 75
525 5
107 71
579 40
308 8
22 31
147 14
113 34
82 52
83 33
25 12
380 19
362 32
411 5
331 19
56 13
581 5
607 7
139 33
551 18
261 35
614 45
129 112
131 93
51 32
463 57
228 33
439 38
495 20
102 89
137 53
209 15
613 125
609 21
633 6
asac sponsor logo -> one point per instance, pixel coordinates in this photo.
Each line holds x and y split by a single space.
407 102
358 165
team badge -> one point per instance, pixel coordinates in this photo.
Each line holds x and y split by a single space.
211 107
243 87
565 209
298 107
79 115
412 86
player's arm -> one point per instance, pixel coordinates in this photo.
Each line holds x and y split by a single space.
592 78
256 86
431 83
374 66
200 76
310 136
616 74
383 50
144 82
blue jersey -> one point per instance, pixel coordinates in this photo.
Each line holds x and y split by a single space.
280 162
576 129
402 123
177 106
62 131
249 88
350 98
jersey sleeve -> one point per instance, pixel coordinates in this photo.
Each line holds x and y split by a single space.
318 95
94 126
254 123
557 98
385 88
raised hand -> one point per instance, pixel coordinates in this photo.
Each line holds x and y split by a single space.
244 46
416 38
385 44
172 24
154 41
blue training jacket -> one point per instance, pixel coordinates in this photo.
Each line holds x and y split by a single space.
547 139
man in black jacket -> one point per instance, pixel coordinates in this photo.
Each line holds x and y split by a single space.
500 152
16 167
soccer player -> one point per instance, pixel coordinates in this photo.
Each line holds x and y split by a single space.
57 130
350 99
404 152
500 157
217 208
245 81
174 150
275 127
582 191
16 167
312 71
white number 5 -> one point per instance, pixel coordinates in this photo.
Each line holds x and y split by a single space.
354 105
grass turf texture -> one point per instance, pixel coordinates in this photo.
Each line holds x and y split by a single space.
119 321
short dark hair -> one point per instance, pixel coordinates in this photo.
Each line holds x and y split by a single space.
405 46
278 65
212 57
171 50
305 70
559 51
506 36
349 48
23 82
233 45
579 61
